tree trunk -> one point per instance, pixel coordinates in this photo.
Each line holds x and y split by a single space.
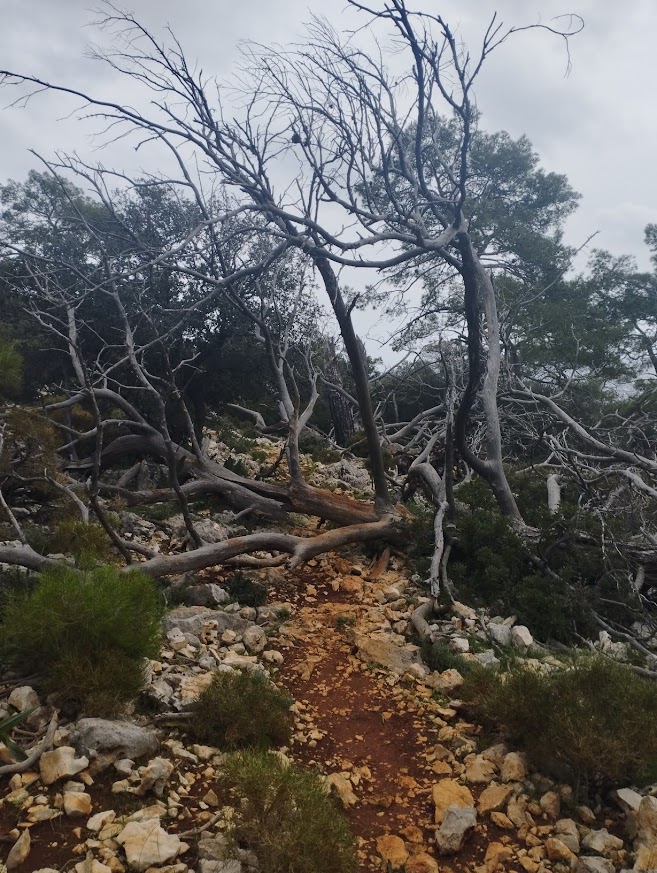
359 371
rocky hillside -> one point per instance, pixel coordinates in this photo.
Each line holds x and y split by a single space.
423 785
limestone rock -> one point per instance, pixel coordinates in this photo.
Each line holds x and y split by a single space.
19 851
254 639
60 763
558 850
379 648
77 804
343 788
521 638
91 865
457 821
446 682
513 768
449 792
393 851
421 863
501 633
628 800
122 739
494 798
100 820
550 803
479 770
146 844
155 777
193 686
591 864
601 842
23 698
647 820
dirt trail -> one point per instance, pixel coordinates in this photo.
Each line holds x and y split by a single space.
359 721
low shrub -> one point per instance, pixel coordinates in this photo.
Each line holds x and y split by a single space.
593 721
11 369
72 536
86 634
242 710
246 591
439 656
237 466
286 817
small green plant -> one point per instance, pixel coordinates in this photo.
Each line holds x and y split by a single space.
342 622
439 656
85 633
286 817
246 591
6 727
242 710
595 720
236 465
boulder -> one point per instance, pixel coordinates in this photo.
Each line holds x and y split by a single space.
155 777
601 842
61 763
457 821
146 844
207 594
521 638
121 739
449 792
190 620
500 633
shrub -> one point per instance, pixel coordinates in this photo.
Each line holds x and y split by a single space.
75 537
237 466
242 710
246 591
11 369
85 633
439 656
287 818
595 720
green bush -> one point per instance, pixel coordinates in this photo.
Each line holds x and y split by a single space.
287 818
237 466
86 634
75 537
242 710
439 656
11 369
595 720
246 591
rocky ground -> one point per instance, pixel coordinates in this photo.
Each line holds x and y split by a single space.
423 787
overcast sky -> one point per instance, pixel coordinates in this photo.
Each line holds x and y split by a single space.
598 125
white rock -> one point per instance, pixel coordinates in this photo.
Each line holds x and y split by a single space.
457 821
91 865
60 763
97 822
521 638
23 698
271 656
155 777
628 800
459 645
601 841
501 633
122 738
146 844
254 638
